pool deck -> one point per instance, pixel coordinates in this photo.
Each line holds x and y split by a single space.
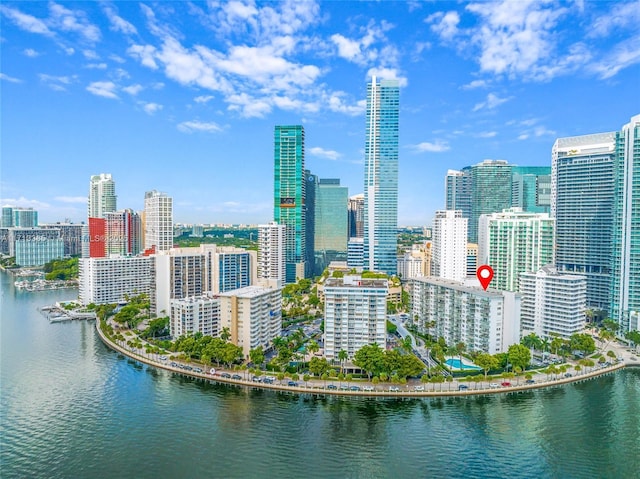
318 388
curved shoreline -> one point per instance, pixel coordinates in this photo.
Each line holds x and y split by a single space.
376 393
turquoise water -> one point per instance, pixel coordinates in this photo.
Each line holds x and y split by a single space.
456 364
72 408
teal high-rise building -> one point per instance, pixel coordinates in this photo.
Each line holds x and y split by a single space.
289 196
625 286
331 223
381 176
490 191
531 188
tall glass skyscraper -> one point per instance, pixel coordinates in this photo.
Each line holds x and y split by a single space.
331 223
531 188
625 301
582 192
458 191
381 176
102 195
289 196
490 191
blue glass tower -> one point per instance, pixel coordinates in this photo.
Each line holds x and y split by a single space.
381 176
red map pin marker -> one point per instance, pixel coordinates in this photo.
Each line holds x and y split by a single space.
485 275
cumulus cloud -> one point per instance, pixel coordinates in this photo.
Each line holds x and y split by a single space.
444 24
322 153
203 98
133 90
475 84
26 22
57 83
196 125
151 108
73 21
118 24
387 74
104 89
25 203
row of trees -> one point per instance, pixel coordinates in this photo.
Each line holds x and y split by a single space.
64 269
374 361
208 349
579 342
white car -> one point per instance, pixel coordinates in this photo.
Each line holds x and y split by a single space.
394 389
494 385
367 388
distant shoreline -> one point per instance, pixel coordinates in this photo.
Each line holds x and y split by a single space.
300 389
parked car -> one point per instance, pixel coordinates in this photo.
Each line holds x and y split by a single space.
197 370
292 383
332 386
529 381
494 385
163 358
256 379
418 388
568 375
367 388
236 376
463 387
394 389
355 388
505 384
226 375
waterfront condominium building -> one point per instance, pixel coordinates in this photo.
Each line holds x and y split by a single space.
102 195
582 201
271 265
184 272
35 246
625 301
331 224
449 245
356 216
355 314
158 221
24 217
381 176
110 280
123 232
490 191
531 188
513 242
195 314
289 197
71 235
253 315
458 191
487 321
552 303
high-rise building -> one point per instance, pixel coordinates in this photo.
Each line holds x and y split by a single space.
158 221
355 314
582 201
449 259
355 253
111 280
195 314
458 191
289 196
625 301
381 176
531 188
7 217
311 187
552 303
490 191
253 316
331 222
25 218
271 244
71 235
102 195
487 321
356 216
123 230
514 242
35 246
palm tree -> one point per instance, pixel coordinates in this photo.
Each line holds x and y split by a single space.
225 334
342 356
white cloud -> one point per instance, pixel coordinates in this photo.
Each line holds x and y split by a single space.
438 146
475 84
196 125
486 134
492 101
322 153
348 49
104 89
151 108
117 58
96 66
57 83
444 24
119 24
30 52
25 203
625 54
73 21
133 90
203 98
623 15
90 54
144 53
26 22
8 78
71 199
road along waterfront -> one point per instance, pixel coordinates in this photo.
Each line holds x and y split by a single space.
72 407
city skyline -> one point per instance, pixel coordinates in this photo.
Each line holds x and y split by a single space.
166 96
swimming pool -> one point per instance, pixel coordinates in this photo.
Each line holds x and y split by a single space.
456 364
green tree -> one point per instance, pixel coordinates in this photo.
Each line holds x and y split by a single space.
256 355
634 337
313 347
318 366
342 357
369 358
519 356
487 362
225 335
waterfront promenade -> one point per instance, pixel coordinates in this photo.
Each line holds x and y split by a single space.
317 386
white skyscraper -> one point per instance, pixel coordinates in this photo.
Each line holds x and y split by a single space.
102 196
449 248
158 221
271 252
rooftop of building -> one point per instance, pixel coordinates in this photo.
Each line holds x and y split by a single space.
248 292
459 286
593 140
350 281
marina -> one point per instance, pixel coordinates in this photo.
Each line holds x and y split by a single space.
57 313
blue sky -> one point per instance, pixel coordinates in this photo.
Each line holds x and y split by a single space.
183 97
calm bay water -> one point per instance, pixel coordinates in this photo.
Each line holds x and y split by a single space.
71 408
